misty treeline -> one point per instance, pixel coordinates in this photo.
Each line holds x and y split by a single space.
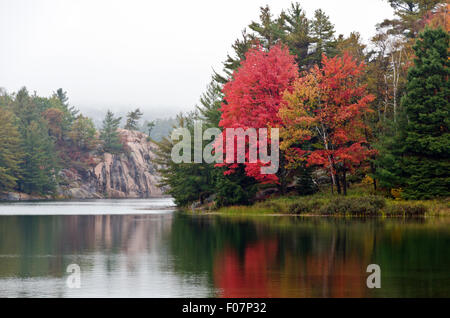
39 136
347 112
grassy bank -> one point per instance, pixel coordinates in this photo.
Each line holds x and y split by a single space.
360 201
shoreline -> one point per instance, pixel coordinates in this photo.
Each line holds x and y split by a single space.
361 202
317 215
23 197
312 215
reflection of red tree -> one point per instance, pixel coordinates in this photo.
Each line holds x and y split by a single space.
258 274
248 277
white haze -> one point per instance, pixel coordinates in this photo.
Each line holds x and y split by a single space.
156 55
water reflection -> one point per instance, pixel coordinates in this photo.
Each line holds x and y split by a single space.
176 255
288 257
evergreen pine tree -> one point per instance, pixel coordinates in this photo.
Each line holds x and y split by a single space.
426 160
109 135
132 119
418 156
268 31
322 33
187 182
40 164
232 63
234 189
150 125
410 15
10 151
25 108
71 112
210 103
297 35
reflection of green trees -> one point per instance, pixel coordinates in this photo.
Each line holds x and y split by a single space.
413 255
21 238
414 262
195 241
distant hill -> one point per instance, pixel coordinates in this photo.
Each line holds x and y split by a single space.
163 128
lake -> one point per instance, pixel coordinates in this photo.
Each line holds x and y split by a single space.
142 248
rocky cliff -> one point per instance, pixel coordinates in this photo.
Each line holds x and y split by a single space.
131 174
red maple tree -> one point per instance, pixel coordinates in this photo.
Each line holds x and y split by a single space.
254 94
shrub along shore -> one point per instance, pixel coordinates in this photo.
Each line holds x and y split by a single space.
360 202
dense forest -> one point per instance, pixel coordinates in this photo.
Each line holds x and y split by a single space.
39 136
348 112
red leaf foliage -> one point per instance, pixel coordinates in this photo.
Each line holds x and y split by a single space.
254 94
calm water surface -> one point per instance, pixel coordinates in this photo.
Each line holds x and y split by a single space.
141 248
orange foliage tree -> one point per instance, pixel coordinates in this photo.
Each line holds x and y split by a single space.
323 118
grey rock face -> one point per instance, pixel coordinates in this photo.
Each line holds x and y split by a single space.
127 175
18 196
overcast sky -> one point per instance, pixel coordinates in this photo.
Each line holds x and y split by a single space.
156 55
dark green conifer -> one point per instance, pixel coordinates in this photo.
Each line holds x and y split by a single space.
417 158
109 134
11 153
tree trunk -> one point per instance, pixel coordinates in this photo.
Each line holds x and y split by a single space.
372 167
338 184
282 177
283 185
332 184
344 182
